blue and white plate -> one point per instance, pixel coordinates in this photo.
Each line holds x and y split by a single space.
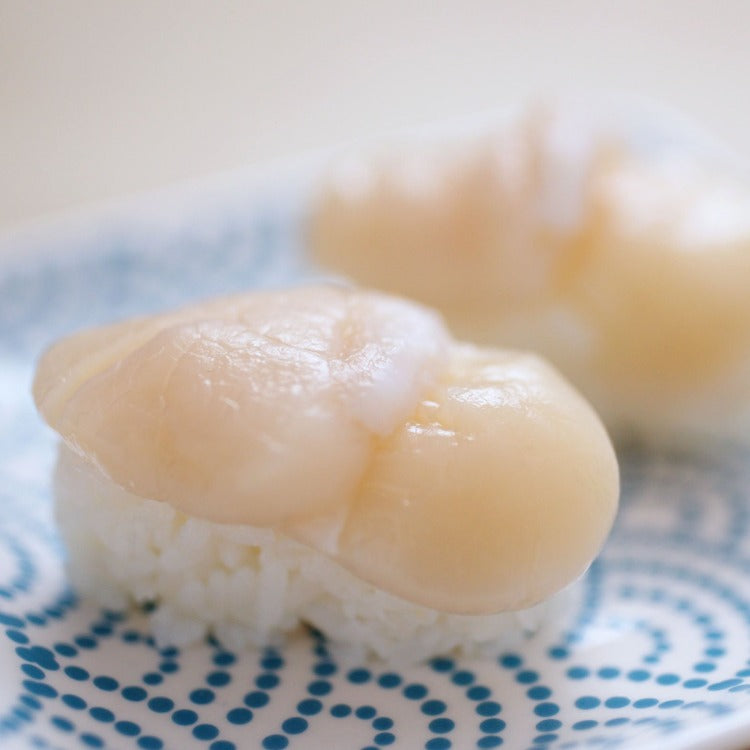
655 655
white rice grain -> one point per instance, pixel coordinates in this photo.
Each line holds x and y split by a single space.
248 586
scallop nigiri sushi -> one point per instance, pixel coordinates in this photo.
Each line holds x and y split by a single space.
322 455
612 242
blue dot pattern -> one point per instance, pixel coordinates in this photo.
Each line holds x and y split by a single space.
655 643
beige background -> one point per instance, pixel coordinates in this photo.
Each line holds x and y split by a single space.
102 99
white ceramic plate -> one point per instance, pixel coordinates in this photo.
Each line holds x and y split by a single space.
654 655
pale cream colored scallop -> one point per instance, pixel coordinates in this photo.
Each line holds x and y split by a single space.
493 495
669 298
273 396
465 480
457 227
624 260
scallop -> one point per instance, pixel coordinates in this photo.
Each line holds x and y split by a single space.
618 246
463 479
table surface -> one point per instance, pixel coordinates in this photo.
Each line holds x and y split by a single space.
102 100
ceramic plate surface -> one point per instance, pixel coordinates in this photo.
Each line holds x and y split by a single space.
654 653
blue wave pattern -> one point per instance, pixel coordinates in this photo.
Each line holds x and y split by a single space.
657 644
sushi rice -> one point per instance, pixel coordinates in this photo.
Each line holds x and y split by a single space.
248 585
